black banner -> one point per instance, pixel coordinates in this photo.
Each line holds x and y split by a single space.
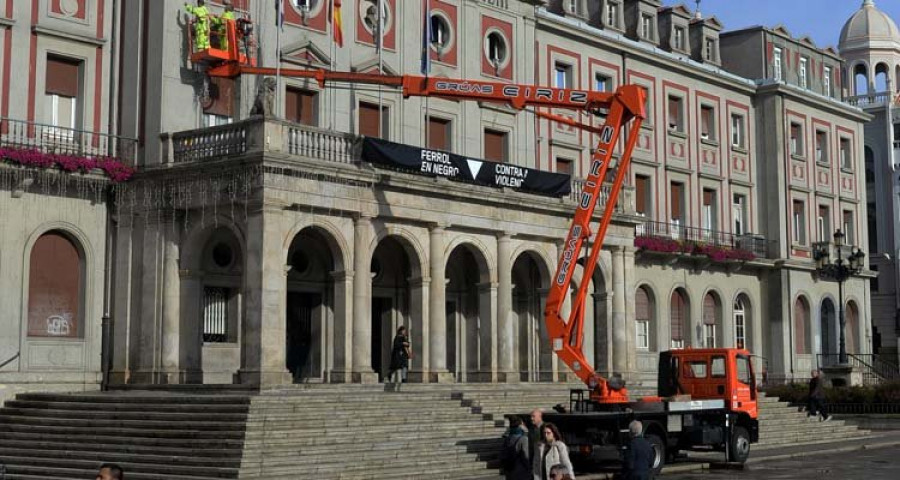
437 163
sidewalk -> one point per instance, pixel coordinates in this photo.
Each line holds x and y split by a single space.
706 461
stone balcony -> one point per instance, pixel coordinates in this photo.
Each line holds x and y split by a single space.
257 136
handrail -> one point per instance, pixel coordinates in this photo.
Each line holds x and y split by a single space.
66 141
669 230
10 360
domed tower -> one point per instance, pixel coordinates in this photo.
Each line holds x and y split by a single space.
870 43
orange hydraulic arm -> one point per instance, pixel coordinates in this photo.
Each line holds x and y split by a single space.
624 106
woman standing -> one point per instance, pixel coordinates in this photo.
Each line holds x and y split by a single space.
552 451
400 354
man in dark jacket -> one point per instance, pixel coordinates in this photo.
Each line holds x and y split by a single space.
638 461
516 454
816 401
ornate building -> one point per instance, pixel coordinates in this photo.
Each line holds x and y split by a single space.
275 250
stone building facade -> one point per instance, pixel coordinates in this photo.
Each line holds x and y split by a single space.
265 251
870 45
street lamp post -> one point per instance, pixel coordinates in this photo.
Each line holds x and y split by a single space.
839 270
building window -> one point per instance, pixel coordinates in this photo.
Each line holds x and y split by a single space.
707 122
676 114
739 212
776 59
803 62
564 165
821 146
796 140
826 81
709 49
496 146
678 316
55 286
643 316
679 37
439 134
62 96
648 106
676 210
602 83
710 317
369 120
849 231
215 314
612 14
213 120
823 224
441 33
709 210
845 154
647 27
643 190
496 50
737 131
573 7
301 106
740 329
562 75
801 321
799 223
874 283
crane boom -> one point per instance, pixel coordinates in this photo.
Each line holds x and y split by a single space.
623 107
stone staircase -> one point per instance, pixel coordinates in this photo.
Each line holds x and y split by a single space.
351 432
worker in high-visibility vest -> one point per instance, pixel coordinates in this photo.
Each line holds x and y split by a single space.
222 25
201 24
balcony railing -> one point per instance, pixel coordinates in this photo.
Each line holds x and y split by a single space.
624 204
66 141
211 143
755 244
873 99
873 369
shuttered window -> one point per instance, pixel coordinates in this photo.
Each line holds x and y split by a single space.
677 194
55 288
642 191
800 315
300 107
642 319
709 322
677 318
495 145
62 77
222 93
439 134
368 120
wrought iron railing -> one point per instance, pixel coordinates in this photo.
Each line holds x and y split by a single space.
714 238
66 141
7 362
873 369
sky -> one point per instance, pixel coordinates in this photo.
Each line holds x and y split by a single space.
820 19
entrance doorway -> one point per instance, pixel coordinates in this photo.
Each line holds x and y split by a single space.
382 336
301 330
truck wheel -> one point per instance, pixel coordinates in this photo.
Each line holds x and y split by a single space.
739 449
659 452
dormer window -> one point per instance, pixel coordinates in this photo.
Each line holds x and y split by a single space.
776 64
678 37
709 49
647 27
612 14
803 62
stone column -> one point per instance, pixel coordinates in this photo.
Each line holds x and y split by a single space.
419 328
505 330
171 295
362 302
121 307
619 318
437 309
628 290
343 335
264 329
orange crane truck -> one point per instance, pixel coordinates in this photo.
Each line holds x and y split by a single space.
707 398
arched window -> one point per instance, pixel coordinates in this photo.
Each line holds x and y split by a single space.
643 319
710 321
740 324
55 288
860 79
801 326
881 77
851 324
678 319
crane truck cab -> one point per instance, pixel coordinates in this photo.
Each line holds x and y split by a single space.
706 400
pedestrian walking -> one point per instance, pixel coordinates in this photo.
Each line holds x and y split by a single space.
638 461
552 451
515 456
816 401
201 24
110 471
401 352
534 430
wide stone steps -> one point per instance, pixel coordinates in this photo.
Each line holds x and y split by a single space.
167 417
162 470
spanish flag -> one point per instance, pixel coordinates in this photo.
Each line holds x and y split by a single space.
337 24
